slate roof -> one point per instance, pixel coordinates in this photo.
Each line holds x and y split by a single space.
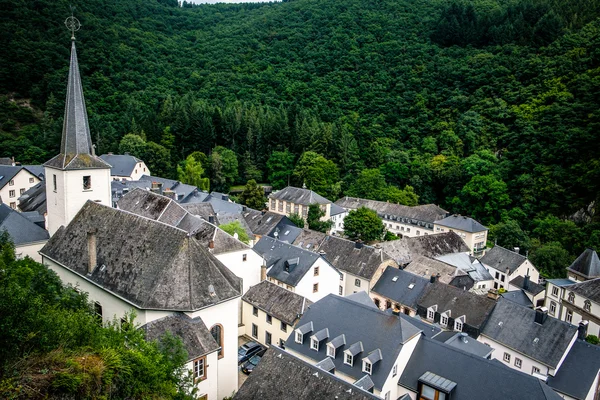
277 253
163 209
425 267
185 193
34 199
343 254
561 282
425 213
588 289
309 239
476 308
532 287
475 376
203 210
37 170
299 196
376 330
21 229
7 173
514 326
578 371
121 164
463 342
285 231
262 223
429 330
503 259
281 303
462 223
587 264
197 339
405 249
280 375
150 264
406 289
519 297
462 261
336 210
76 151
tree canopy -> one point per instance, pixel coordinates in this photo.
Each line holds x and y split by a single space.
363 224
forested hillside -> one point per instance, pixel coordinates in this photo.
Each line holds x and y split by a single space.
486 107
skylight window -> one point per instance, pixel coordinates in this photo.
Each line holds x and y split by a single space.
412 285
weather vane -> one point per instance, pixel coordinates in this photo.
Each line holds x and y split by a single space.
72 24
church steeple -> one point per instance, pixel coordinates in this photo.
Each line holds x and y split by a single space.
76 150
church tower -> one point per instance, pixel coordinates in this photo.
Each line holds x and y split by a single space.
76 175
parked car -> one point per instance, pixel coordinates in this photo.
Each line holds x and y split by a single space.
246 351
249 365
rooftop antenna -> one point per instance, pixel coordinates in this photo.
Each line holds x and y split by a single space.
72 24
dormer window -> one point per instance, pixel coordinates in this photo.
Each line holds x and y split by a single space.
444 318
458 323
301 331
431 312
587 306
367 367
572 297
314 344
330 350
299 337
434 387
348 359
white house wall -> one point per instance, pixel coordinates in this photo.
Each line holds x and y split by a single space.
328 281
349 282
30 250
391 382
207 386
21 183
527 363
277 335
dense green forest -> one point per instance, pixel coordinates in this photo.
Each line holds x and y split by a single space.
486 107
52 344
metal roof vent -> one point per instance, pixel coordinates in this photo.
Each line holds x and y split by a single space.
394 279
412 285
211 291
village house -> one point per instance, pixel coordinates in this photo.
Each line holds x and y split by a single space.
27 236
293 200
470 231
404 250
397 218
398 290
579 376
531 293
585 267
505 265
15 181
480 280
299 270
125 167
271 312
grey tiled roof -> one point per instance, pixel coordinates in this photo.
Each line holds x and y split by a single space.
532 287
425 213
464 342
262 223
462 223
587 264
561 282
463 262
121 164
281 303
503 259
285 231
151 264
184 192
519 297
475 376
514 326
476 308
34 199
405 249
278 253
309 239
21 230
578 371
37 170
336 210
280 375
299 196
376 330
588 289
400 286
425 267
203 210
7 173
197 339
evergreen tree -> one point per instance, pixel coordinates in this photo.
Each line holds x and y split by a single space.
253 195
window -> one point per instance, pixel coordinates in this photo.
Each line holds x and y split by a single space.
315 288
287 207
199 369
304 211
387 395
507 357
357 282
341 290
21 191
569 316
13 205
283 326
552 307
407 229
430 314
98 311
554 291
54 182
273 205
87 182
295 208
267 338
497 275
518 362
316 271
254 331
418 233
11 193
314 344
299 337
535 370
244 257
429 393
330 351
280 206
367 367
502 277
255 311
572 297
444 320
348 359
395 371
269 319
458 325
587 306
217 332
11 183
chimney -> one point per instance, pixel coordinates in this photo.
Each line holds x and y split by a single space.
358 244
92 252
263 212
263 271
211 244
432 278
526 282
541 313
493 294
170 194
243 208
225 197
582 329
516 249
211 219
